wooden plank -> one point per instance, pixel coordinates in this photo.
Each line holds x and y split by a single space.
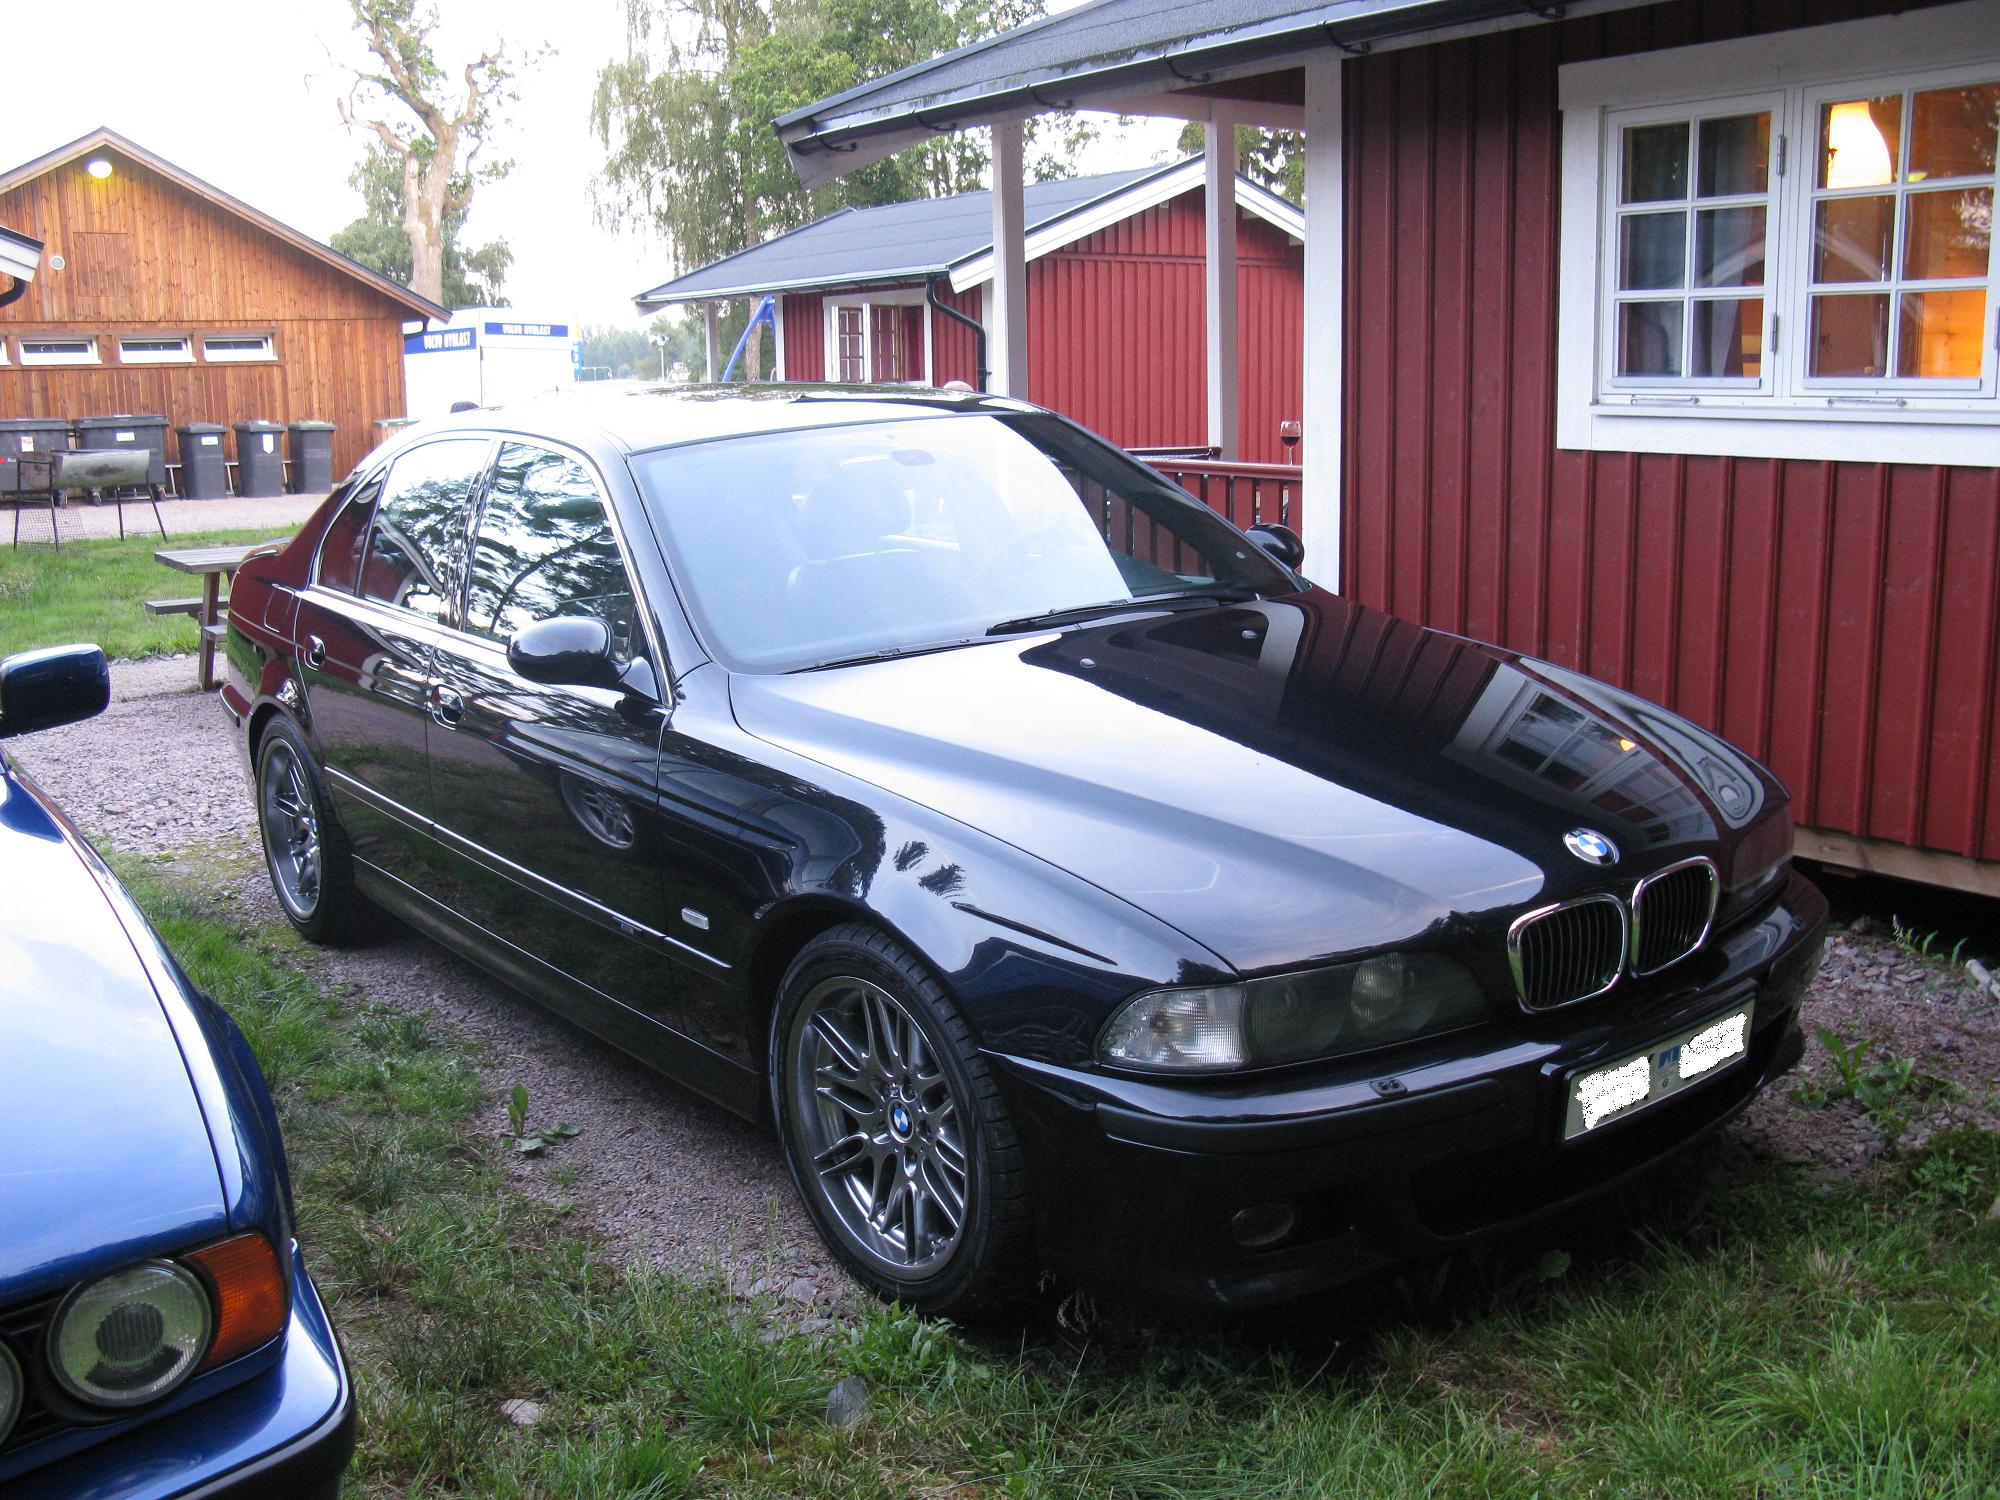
180 606
1880 857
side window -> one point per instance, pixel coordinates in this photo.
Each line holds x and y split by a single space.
545 548
340 549
418 536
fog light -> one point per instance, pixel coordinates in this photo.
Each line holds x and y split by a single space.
1262 1225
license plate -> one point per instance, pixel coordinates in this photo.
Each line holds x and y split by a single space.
1610 1093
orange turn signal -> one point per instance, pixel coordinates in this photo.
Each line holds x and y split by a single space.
251 1296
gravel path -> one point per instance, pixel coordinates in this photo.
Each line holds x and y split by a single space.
79 519
661 1173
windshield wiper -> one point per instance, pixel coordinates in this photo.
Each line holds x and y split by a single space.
884 653
1050 618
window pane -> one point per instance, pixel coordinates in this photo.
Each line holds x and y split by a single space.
1655 251
1735 155
1943 335
1728 338
1729 247
1858 141
1656 166
419 533
1949 234
1854 239
545 549
1649 338
1953 132
1850 335
340 551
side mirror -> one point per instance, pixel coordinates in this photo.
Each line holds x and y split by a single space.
56 685
570 650
1281 542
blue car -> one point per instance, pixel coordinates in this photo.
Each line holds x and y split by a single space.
159 1335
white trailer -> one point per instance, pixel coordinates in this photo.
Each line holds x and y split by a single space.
485 355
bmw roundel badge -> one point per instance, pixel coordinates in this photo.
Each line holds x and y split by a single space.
1590 846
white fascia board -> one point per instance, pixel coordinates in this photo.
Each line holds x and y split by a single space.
1082 223
901 277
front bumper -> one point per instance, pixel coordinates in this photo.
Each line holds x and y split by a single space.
1395 1156
287 1432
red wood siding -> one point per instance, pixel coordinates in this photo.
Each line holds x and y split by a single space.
805 336
1116 337
1839 620
956 347
146 256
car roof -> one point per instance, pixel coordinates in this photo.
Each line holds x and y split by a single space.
655 417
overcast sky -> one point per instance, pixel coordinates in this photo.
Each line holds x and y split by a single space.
241 93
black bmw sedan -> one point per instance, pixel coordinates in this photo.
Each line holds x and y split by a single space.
1076 886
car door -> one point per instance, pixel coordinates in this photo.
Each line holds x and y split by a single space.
386 576
546 795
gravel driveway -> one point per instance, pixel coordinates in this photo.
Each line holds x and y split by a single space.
660 1172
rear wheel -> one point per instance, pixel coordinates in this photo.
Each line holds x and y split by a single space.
304 848
894 1130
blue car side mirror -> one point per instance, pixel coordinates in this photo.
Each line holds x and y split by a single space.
56 685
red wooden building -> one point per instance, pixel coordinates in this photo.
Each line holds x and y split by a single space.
1115 268
1656 338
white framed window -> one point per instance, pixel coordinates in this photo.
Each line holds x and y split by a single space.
65 351
230 348
1784 246
882 337
175 349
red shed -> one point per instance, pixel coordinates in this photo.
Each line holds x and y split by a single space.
1656 338
1115 299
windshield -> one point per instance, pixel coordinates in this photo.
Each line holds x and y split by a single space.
799 548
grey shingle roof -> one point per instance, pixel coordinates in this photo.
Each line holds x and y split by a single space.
893 242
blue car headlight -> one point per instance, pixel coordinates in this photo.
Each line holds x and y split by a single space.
10 1391
1329 1012
130 1337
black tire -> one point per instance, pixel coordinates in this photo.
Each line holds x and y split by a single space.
842 978
305 851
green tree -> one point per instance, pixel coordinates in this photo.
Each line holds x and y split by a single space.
472 277
429 130
1274 159
630 353
685 117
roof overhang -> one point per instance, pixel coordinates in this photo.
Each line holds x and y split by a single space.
20 255
857 127
103 139
660 297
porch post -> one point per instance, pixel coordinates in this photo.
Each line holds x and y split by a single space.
708 342
1219 271
1325 346
1007 305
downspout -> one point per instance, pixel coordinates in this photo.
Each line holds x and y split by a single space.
15 292
978 330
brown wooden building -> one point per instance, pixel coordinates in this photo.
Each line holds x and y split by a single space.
159 293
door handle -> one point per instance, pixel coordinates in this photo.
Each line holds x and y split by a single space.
315 652
446 706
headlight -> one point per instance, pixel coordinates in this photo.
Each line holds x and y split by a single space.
1289 1017
10 1391
130 1337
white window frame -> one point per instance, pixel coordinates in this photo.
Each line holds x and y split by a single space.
266 352
89 354
1783 414
181 354
867 301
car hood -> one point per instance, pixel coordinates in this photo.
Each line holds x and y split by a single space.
1283 780
108 1155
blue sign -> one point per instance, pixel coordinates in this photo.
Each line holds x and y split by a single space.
530 330
439 339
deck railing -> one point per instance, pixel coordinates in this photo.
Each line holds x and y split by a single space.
1246 494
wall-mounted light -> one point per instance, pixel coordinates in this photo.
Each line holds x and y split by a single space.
98 167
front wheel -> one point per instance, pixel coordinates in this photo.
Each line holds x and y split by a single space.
894 1129
304 848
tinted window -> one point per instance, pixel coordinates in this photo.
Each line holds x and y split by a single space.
545 548
340 550
418 535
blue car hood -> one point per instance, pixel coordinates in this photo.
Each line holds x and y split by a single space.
1282 781
107 1155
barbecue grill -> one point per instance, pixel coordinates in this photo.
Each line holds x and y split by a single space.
101 473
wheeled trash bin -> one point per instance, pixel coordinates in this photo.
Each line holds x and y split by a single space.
312 457
204 473
260 458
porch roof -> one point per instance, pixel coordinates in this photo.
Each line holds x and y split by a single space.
1112 49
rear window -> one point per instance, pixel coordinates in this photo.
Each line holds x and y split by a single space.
340 549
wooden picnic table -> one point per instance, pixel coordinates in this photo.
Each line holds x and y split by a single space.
213 564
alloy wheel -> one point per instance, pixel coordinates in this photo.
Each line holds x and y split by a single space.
291 828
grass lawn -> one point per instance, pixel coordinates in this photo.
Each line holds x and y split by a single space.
1742 1329
94 590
